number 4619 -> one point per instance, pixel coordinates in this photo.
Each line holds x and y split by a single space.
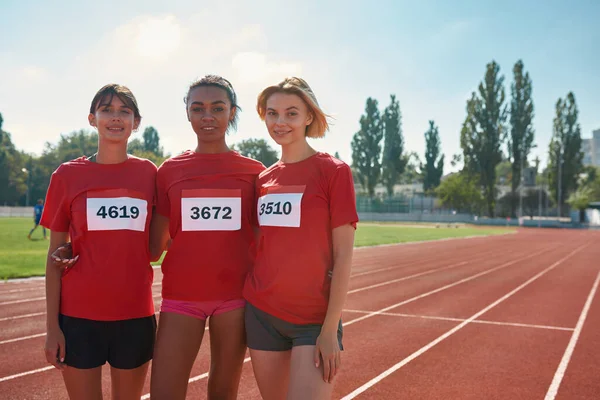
118 212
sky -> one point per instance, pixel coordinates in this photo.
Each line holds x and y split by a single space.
432 55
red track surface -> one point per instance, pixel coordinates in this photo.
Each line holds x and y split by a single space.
510 317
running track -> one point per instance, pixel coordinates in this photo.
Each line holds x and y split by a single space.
509 317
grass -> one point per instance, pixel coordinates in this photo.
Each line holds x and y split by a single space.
371 234
20 257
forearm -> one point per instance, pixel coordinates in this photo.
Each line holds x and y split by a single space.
339 288
53 281
159 236
52 295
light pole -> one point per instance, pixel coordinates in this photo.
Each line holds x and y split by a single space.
537 168
521 185
559 191
28 173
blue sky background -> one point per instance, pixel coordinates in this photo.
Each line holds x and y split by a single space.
54 56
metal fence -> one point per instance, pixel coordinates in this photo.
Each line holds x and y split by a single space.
6 211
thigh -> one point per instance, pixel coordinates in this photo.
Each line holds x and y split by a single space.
83 384
131 342
272 372
128 384
86 342
227 351
270 352
264 331
177 344
307 380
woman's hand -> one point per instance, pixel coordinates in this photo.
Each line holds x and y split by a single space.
62 257
327 351
55 348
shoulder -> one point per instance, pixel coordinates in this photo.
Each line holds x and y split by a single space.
249 163
330 165
175 162
268 171
142 163
69 167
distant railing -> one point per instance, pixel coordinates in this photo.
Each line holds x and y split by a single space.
6 211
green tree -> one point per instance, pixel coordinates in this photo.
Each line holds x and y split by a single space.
460 192
152 141
504 172
483 132
257 149
393 163
433 169
135 146
13 173
565 155
366 147
594 185
522 133
75 144
580 200
591 180
412 170
337 155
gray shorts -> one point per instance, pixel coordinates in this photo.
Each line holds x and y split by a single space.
269 333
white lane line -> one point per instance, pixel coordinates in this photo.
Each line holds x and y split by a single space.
562 367
159 295
193 379
407 277
22 290
425 348
23 338
43 313
436 241
347 323
478 321
470 278
43 334
22 316
35 371
5 303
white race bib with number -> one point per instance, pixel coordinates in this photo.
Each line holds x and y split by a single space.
211 213
280 209
116 213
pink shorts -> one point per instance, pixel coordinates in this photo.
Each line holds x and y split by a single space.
201 309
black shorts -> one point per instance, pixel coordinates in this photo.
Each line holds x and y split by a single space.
126 344
269 333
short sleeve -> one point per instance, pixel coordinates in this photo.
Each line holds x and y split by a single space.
342 199
55 215
163 203
255 197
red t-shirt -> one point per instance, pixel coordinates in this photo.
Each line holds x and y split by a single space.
210 202
106 208
299 205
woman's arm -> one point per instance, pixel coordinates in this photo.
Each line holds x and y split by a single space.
327 344
55 340
159 236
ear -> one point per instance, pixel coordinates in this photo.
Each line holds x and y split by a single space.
232 113
309 120
187 113
136 123
92 120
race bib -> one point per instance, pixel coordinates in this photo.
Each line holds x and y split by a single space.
115 210
280 206
211 209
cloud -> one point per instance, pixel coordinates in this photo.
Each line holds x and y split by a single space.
32 73
157 37
253 67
